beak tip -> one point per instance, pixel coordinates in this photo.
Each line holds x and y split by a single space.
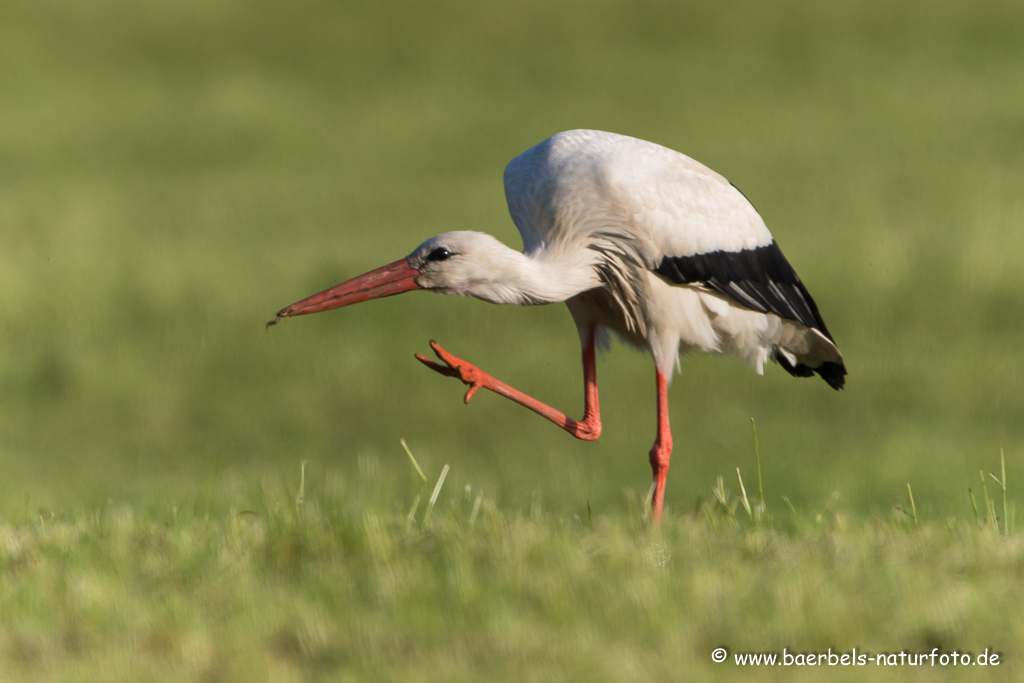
277 318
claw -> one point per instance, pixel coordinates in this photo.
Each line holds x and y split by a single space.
442 354
449 370
454 367
436 367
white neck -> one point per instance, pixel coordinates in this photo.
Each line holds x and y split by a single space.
541 277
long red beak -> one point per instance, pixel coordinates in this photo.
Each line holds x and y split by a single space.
388 280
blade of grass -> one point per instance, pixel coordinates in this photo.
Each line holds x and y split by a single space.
913 508
433 496
646 512
990 511
301 498
743 491
1002 485
414 463
974 506
1006 509
757 456
719 490
409 518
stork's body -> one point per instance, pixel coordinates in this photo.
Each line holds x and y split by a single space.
636 239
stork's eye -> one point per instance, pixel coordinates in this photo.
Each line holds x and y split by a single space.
439 254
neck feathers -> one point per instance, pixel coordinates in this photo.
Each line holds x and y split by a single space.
536 278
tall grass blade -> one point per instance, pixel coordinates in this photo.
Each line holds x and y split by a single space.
719 490
990 510
646 512
409 518
301 497
1006 509
789 504
743 491
433 496
913 508
1002 485
757 456
974 506
414 463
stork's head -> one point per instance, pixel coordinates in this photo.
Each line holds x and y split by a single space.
468 263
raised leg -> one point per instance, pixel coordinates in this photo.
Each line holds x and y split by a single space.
588 429
661 452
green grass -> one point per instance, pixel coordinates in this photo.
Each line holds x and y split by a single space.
173 173
271 586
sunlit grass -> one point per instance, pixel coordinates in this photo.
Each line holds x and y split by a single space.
270 583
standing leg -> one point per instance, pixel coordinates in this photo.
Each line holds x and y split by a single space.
591 423
661 452
588 429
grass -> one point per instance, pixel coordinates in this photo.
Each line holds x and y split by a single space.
173 173
274 587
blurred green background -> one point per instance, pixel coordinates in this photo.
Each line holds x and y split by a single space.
173 173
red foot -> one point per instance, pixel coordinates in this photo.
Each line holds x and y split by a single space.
456 367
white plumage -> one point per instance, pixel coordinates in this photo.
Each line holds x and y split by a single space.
636 239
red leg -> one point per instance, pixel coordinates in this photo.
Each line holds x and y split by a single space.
661 452
589 428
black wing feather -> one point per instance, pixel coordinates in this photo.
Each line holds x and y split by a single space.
760 279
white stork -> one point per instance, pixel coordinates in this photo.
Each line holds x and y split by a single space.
636 239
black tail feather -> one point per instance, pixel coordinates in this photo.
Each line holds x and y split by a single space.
833 373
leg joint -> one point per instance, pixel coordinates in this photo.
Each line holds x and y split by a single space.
661 453
589 429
